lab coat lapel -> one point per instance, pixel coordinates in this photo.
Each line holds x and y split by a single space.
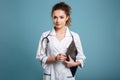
59 45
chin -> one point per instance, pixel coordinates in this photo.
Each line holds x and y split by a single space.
58 26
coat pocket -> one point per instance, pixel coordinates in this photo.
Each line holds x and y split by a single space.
47 73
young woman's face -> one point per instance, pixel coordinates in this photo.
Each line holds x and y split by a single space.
59 18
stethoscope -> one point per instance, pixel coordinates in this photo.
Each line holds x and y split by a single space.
47 40
73 69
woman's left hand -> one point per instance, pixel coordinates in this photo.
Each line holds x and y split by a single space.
70 63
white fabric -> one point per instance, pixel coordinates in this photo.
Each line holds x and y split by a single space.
57 70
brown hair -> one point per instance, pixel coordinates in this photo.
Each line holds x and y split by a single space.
66 8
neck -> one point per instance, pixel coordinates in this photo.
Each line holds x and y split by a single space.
60 30
60 33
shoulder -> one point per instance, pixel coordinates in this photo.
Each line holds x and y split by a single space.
44 34
75 34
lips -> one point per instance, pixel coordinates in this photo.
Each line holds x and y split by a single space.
57 24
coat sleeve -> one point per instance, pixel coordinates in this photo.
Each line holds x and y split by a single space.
80 56
41 55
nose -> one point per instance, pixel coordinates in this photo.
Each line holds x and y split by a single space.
58 19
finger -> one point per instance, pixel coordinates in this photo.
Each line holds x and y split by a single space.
69 57
66 62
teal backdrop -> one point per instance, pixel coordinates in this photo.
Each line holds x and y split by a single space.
23 21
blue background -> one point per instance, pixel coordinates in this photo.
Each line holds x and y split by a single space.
23 21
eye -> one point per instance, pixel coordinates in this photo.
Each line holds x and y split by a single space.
54 17
61 17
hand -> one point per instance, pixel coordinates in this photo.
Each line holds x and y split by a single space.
61 57
70 63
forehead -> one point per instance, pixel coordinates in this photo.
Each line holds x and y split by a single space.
59 12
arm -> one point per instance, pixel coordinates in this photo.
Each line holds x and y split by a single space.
41 55
60 58
72 63
50 59
80 56
43 58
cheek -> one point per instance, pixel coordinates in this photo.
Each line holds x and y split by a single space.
64 21
53 20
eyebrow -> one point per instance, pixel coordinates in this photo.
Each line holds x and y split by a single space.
58 16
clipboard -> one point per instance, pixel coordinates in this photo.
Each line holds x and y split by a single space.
72 51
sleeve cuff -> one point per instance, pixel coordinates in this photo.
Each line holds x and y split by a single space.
43 61
81 64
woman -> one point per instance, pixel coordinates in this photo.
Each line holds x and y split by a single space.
54 43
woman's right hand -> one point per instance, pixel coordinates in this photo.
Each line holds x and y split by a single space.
60 57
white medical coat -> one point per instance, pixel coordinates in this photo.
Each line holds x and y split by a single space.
57 70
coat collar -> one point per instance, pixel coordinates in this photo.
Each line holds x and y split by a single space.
53 33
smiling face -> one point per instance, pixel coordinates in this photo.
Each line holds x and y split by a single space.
59 18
